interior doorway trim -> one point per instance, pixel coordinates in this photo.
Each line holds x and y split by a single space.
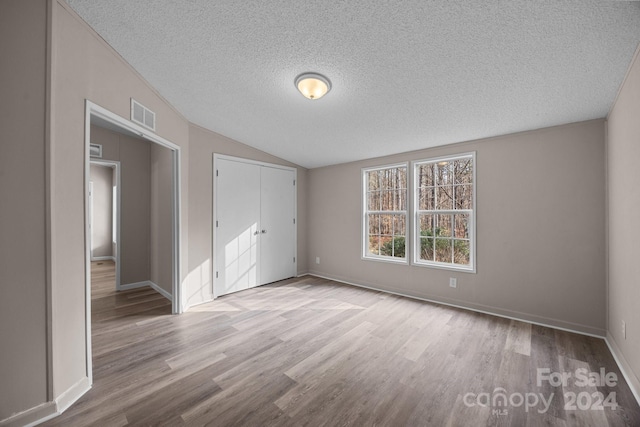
115 165
95 110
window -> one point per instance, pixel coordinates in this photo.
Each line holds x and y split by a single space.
444 206
385 213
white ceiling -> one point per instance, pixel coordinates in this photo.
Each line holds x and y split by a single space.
406 75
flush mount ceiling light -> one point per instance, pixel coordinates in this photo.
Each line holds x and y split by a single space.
313 85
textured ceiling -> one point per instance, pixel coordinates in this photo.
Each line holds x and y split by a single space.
406 74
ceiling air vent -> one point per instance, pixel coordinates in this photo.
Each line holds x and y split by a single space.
142 115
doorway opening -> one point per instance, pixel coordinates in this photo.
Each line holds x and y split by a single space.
164 160
104 213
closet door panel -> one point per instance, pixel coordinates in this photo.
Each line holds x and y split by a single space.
277 230
237 201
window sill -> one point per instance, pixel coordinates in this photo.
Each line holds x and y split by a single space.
390 260
441 266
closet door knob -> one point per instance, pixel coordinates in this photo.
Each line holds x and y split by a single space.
264 231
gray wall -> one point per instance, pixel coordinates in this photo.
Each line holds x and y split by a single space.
202 145
85 67
623 153
540 222
161 249
102 211
23 270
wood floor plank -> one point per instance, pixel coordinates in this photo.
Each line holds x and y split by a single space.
578 416
519 338
312 352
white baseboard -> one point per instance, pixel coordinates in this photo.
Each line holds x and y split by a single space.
625 368
49 410
74 393
150 284
31 417
161 291
135 285
568 327
103 258
206 299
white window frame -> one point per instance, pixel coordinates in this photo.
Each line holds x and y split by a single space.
365 217
415 233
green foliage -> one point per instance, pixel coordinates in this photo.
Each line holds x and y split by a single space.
396 246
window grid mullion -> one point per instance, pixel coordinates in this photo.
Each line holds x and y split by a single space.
453 233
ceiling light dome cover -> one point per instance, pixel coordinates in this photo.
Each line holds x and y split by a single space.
313 85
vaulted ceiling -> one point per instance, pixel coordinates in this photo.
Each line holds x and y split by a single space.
406 75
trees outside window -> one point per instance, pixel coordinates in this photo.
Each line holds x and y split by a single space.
444 207
385 213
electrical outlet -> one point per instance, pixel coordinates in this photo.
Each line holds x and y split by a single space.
453 282
624 330
317 260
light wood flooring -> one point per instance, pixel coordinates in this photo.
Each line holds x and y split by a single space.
312 352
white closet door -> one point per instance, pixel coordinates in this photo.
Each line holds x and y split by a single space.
277 227
237 204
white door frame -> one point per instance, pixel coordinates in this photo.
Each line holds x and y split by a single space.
214 242
90 207
95 110
115 165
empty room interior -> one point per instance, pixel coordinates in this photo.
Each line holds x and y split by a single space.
319 213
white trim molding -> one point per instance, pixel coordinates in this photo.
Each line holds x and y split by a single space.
147 283
135 285
625 368
32 416
69 397
49 410
103 258
161 291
